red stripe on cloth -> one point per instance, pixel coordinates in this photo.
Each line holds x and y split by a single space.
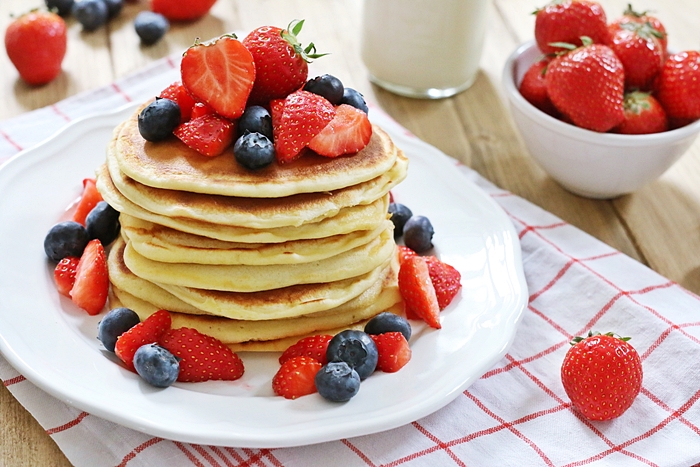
58 112
170 62
191 457
10 140
222 455
234 453
257 458
138 449
534 228
119 91
554 280
359 453
67 426
668 409
548 320
15 380
439 444
504 194
515 363
208 457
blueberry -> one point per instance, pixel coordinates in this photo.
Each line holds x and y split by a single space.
254 151
355 99
65 239
388 322
399 215
158 119
337 382
151 27
327 86
114 324
156 365
61 7
418 234
356 349
102 223
90 13
255 119
114 7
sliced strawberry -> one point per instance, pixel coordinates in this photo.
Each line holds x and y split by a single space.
209 134
200 108
295 378
348 132
177 93
417 291
276 109
394 351
88 200
147 331
312 346
405 253
204 358
219 73
64 274
91 285
446 281
304 116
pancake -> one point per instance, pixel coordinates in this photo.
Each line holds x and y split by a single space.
170 164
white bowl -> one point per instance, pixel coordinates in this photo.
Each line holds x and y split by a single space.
590 164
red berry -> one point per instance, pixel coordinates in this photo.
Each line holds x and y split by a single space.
295 378
147 331
631 16
312 346
199 109
568 20
348 132
446 281
394 351
405 253
534 89
204 358
64 274
91 285
88 200
602 375
209 135
641 53
417 291
182 10
176 92
643 115
678 85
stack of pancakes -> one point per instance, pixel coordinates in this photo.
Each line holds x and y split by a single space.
257 259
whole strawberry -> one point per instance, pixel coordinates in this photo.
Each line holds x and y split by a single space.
639 48
281 62
631 16
568 20
643 115
602 375
587 86
36 44
678 85
534 88
182 10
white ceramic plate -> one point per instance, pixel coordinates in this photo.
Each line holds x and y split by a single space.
53 343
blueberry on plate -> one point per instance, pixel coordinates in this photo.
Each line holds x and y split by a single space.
356 349
151 27
114 324
418 234
67 238
388 322
90 13
254 151
327 86
102 223
255 119
337 382
158 119
399 215
61 7
156 365
355 99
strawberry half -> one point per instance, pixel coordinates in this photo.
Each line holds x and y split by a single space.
177 93
219 73
394 351
147 331
64 274
209 134
295 378
91 285
312 346
446 281
303 117
405 253
88 200
348 132
200 108
203 358
417 291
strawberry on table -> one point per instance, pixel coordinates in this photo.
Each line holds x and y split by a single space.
64 274
182 10
534 89
295 378
348 132
639 48
176 92
394 351
219 73
36 44
204 358
147 331
209 135
88 200
568 20
643 115
418 292
446 281
602 375
91 285
312 346
678 85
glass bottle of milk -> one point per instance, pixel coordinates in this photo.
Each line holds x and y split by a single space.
423 48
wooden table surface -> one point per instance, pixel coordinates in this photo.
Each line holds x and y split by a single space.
659 225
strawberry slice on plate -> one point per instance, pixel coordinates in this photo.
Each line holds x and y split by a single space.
177 93
296 377
88 200
348 132
91 284
312 346
209 134
418 292
147 331
64 274
394 351
446 281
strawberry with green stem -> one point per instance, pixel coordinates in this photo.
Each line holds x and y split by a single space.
568 20
643 115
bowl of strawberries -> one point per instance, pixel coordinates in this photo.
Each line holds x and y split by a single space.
603 107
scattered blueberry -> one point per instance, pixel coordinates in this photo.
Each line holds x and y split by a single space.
114 7
356 349
158 119
355 99
151 27
254 151
388 322
114 324
61 7
156 365
337 382
327 86
418 234
67 238
255 119
102 223
90 13
399 215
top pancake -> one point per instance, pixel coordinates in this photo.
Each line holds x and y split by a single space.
172 165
